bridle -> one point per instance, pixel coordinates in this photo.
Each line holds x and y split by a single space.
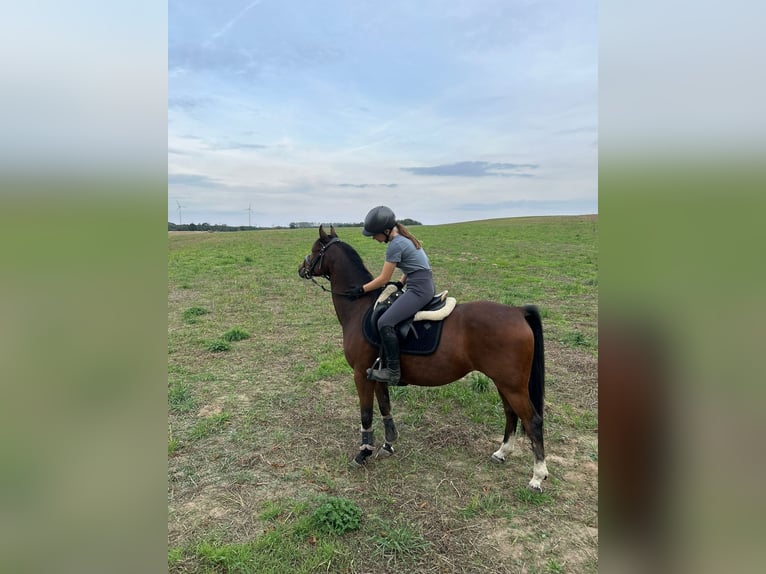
310 264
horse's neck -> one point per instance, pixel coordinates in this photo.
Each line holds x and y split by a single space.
343 278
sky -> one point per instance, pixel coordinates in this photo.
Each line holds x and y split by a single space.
285 111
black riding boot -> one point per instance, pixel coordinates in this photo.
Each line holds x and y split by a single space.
391 373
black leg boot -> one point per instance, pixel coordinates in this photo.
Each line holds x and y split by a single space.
391 373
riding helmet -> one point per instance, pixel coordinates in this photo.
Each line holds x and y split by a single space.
378 220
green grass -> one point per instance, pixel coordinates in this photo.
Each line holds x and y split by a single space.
191 314
573 418
492 504
173 445
218 346
264 485
235 334
397 541
180 398
554 566
533 498
175 555
576 339
302 537
480 383
227 557
334 363
209 426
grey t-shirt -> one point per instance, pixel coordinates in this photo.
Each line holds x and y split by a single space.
402 251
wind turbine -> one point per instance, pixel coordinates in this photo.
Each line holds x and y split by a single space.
180 221
249 213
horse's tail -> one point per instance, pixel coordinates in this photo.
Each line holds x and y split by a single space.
537 376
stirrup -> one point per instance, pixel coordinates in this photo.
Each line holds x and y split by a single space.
385 376
377 364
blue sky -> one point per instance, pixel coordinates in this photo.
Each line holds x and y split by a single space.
318 111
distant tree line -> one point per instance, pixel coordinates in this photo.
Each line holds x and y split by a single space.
305 224
293 225
217 227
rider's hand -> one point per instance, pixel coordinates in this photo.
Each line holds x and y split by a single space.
355 292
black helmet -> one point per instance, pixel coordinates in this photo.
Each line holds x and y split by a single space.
378 219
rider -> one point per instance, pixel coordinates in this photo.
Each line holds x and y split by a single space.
405 252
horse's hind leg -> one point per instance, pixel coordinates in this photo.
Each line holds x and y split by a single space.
509 437
533 426
384 404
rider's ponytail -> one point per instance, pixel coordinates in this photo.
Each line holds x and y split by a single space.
404 231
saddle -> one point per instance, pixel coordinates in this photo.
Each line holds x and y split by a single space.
422 339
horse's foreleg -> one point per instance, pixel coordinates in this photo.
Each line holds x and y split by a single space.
384 404
364 389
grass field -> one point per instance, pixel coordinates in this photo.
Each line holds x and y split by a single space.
263 416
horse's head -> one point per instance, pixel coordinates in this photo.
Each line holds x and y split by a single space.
314 264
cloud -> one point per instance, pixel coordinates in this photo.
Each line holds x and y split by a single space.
186 102
235 145
192 179
581 130
362 185
544 206
187 57
475 169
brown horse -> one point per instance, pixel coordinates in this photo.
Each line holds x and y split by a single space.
505 343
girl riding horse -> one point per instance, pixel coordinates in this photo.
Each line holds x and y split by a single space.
405 252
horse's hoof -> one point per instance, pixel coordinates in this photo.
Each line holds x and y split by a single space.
353 463
391 434
497 460
360 459
536 488
385 451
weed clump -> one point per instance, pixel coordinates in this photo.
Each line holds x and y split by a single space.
235 334
190 315
336 516
218 346
480 383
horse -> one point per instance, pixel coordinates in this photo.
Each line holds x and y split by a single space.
505 343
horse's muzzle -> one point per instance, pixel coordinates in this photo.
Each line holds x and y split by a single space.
304 270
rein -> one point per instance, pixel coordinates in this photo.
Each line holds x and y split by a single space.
325 289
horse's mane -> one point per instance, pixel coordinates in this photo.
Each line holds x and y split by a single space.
356 261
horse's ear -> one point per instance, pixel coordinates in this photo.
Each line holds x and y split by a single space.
322 234
332 231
